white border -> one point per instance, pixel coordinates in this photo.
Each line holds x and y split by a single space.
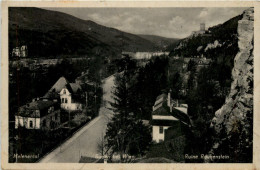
4 84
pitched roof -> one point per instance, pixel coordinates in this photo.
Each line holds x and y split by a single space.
182 109
164 96
160 106
59 85
163 110
51 95
39 105
75 87
29 109
180 115
160 100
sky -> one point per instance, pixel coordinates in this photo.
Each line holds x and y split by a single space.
166 22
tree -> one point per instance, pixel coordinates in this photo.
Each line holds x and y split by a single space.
126 135
176 84
150 81
101 148
128 139
191 66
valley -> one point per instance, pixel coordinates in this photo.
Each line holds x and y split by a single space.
125 97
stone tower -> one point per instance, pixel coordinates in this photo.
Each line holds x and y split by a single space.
202 26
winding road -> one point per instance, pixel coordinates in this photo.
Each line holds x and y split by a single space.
85 141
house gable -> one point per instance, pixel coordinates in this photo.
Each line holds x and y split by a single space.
167 113
60 84
65 91
56 88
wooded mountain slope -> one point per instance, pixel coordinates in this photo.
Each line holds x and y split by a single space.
50 33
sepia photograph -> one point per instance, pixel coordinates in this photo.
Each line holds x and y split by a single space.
132 85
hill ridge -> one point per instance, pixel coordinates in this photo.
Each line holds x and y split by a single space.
53 33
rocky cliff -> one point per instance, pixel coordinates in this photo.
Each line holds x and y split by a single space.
233 122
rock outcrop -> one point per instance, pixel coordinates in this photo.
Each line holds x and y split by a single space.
213 45
233 122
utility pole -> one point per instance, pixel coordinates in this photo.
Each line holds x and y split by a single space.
95 103
95 96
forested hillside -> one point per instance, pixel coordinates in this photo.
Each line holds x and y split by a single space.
55 34
161 42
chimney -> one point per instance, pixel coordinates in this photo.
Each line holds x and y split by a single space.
169 100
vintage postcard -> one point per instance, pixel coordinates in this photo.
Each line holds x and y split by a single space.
130 85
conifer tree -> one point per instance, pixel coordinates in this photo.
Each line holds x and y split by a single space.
126 135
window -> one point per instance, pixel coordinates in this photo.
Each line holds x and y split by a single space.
161 129
31 123
62 100
66 100
64 91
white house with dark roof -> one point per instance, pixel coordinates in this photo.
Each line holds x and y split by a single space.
69 97
38 115
53 93
166 113
69 94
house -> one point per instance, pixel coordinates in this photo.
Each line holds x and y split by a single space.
69 97
144 55
16 52
38 114
69 94
199 61
24 51
20 51
166 113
